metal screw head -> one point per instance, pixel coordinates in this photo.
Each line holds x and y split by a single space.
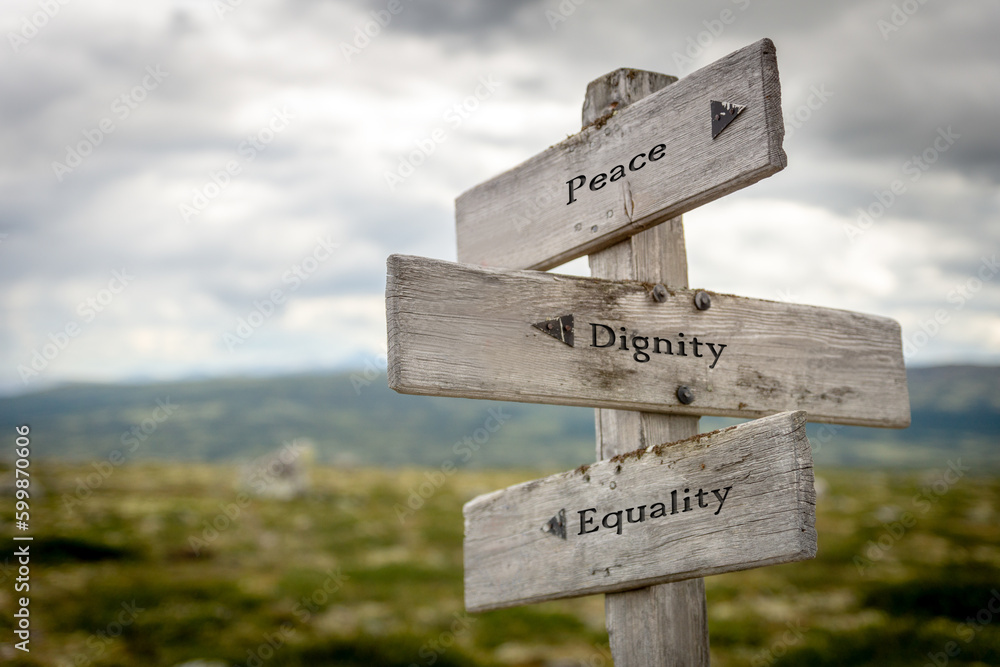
659 293
685 395
702 301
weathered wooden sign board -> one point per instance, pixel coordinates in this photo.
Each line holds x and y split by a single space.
649 150
733 499
460 330
647 163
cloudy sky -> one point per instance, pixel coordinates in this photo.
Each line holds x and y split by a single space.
198 188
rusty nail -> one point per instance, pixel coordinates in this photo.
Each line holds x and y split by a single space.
702 301
659 293
685 395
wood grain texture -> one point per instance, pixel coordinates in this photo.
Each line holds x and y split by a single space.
656 255
767 516
618 89
659 626
667 624
460 330
520 219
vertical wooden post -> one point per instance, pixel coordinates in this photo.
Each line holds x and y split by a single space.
664 625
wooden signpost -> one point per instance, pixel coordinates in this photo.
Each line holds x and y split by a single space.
625 172
544 338
663 506
730 500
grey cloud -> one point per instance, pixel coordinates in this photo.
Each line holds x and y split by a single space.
467 19
120 207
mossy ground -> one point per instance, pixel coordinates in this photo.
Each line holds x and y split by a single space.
337 578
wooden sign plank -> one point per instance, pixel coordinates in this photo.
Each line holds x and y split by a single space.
643 165
733 499
473 332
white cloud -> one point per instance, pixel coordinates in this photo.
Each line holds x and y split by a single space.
324 174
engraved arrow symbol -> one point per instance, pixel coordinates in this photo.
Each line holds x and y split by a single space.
556 525
560 328
724 113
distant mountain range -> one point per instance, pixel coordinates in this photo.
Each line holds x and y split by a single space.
355 419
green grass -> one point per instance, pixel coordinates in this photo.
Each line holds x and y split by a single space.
336 578
354 418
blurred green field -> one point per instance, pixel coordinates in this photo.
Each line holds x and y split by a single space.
337 578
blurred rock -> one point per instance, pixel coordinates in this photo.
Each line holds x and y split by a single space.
282 474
